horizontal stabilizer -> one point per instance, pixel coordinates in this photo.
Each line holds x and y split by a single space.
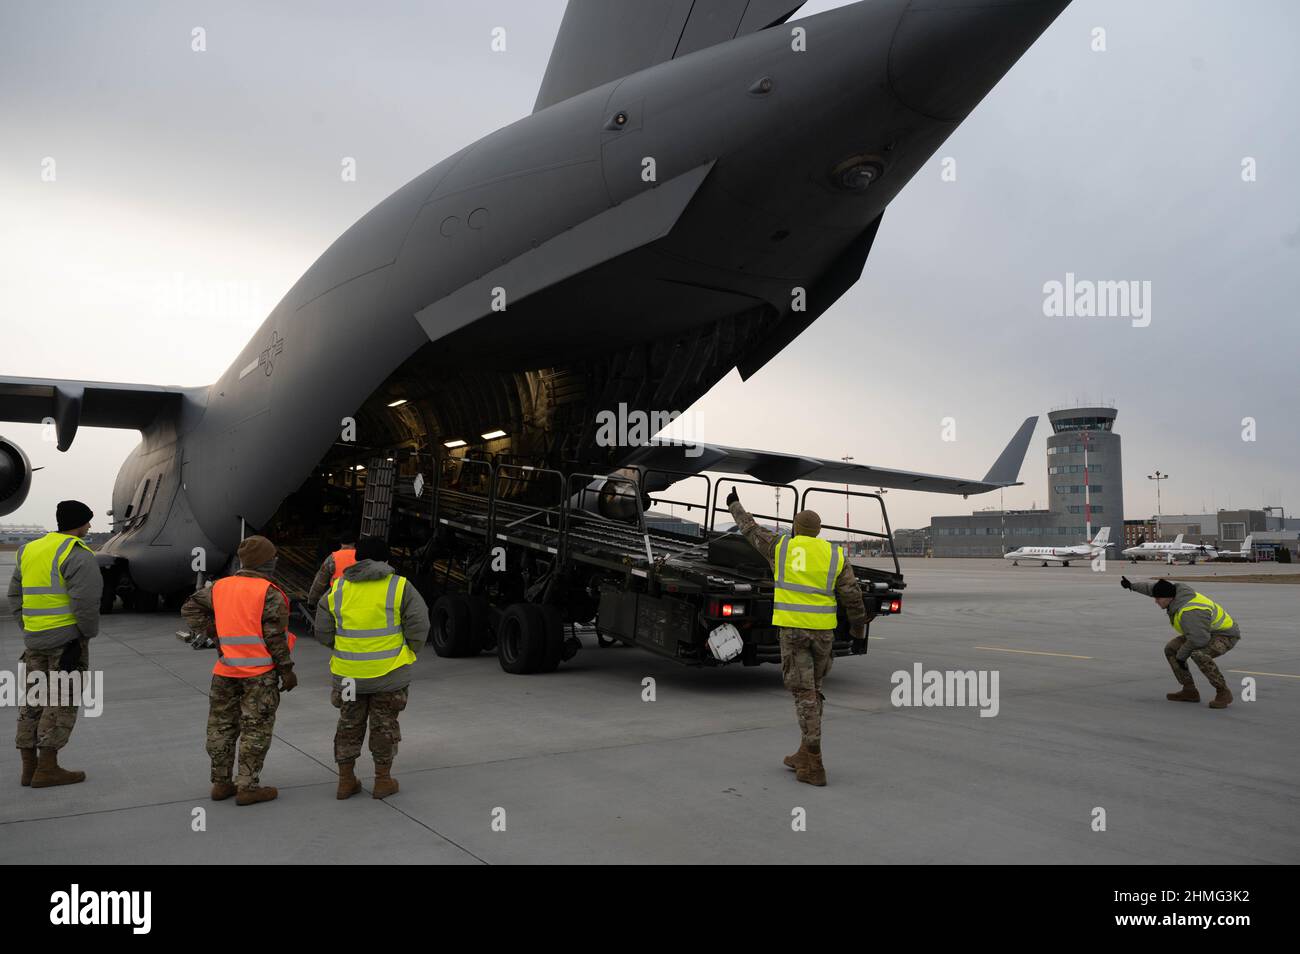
70 404
642 219
778 468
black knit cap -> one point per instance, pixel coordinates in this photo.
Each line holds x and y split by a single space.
1163 588
372 548
72 514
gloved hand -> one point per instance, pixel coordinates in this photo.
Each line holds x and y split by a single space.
859 646
733 497
1124 582
287 680
70 658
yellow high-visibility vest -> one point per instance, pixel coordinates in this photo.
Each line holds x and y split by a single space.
1219 618
368 627
806 569
46 604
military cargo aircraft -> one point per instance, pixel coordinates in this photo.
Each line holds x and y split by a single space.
697 183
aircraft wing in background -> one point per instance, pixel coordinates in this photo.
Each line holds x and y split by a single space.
70 404
776 467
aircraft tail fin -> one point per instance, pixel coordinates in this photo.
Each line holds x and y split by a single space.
1102 538
1247 543
1178 539
602 40
1006 469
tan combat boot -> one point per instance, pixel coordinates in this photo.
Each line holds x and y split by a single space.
252 794
794 761
29 764
385 784
1222 699
223 790
349 784
812 771
48 772
1186 694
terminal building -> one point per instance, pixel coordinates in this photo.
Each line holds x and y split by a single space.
18 534
1077 433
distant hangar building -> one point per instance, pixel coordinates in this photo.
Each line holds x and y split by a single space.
990 533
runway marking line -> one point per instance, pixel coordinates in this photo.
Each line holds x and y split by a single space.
1247 672
1031 652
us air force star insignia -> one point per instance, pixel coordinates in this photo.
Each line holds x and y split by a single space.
274 348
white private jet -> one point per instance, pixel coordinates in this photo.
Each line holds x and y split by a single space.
1061 555
1245 553
1171 552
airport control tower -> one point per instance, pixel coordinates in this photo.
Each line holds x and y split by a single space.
1071 429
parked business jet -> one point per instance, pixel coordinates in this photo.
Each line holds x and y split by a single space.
1171 552
1062 555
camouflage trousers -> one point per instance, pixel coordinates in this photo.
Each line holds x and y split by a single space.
241 711
1204 659
48 727
381 710
806 658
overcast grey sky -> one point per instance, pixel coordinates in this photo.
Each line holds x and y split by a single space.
218 172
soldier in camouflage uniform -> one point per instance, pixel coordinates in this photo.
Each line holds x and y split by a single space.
325 575
1205 631
375 700
43 730
807 654
241 711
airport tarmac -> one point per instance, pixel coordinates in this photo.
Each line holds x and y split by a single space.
583 770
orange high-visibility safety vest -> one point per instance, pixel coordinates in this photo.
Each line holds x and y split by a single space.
342 560
237 602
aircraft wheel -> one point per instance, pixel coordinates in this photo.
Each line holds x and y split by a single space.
1044 564
521 638
451 626
1065 564
1015 563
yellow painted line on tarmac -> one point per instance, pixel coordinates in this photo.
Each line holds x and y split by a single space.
1030 652
1247 672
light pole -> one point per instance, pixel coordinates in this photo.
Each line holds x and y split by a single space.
848 534
1002 507
1157 477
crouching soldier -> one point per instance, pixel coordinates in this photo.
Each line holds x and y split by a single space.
1205 630
247 616
376 622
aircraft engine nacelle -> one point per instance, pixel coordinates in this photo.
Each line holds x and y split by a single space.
15 477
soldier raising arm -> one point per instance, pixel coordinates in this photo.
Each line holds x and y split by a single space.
1204 631
804 609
